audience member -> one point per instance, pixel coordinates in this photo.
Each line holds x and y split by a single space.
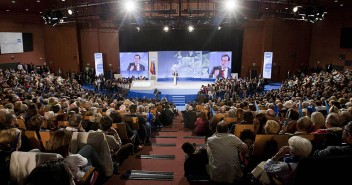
195 165
54 172
60 143
223 153
289 157
343 149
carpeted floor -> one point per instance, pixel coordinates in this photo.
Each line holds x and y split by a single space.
173 165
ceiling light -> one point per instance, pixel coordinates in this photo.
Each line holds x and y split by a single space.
219 28
27 9
38 1
130 5
230 4
295 9
13 2
190 28
69 11
166 28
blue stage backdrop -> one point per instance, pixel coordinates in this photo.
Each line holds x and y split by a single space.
190 65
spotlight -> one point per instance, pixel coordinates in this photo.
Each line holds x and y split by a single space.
166 28
69 11
230 4
219 28
130 5
190 28
295 9
138 29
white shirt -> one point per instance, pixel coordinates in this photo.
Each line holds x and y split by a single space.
224 164
76 161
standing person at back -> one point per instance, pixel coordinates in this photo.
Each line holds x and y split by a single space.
223 153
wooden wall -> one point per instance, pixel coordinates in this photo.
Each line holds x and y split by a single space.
325 42
100 41
37 56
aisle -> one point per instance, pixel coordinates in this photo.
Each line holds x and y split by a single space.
167 165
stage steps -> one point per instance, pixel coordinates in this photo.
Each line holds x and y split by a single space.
178 100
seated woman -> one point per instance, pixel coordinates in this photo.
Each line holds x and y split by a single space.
196 162
298 147
60 143
202 125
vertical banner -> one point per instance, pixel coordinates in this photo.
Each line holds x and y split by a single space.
153 63
99 68
267 65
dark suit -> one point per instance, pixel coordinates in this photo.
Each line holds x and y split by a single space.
228 75
141 67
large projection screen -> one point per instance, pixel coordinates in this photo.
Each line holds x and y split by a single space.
129 67
11 42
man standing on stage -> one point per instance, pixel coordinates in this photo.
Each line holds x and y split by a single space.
222 71
175 74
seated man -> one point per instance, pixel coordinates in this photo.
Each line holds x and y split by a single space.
223 152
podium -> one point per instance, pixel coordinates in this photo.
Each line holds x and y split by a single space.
175 74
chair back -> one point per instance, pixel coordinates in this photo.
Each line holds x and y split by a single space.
100 144
239 128
22 164
261 141
44 137
33 139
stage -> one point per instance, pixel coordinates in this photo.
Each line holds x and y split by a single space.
183 92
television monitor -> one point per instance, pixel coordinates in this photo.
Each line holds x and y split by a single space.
134 64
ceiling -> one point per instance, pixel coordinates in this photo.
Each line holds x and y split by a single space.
158 13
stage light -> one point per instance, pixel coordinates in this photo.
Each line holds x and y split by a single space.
295 9
69 11
166 28
230 4
190 28
130 5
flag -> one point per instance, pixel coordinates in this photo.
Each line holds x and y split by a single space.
276 110
300 109
152 68
327 107
256 106
212 111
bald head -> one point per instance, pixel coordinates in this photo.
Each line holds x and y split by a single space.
222 127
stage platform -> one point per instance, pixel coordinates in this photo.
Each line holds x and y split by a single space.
183 92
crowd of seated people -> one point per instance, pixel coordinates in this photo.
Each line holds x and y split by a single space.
316 106
39 101
307 104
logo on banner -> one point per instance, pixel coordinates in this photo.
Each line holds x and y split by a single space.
268 66
100 67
